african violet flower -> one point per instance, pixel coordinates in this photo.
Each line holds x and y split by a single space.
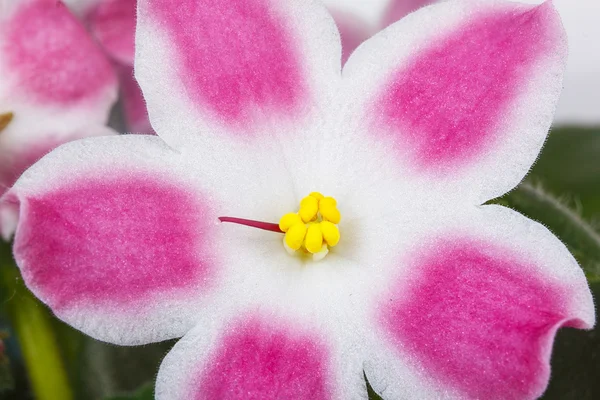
354 31
112 23
55 85
428 291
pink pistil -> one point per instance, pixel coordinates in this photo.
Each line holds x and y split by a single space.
267 226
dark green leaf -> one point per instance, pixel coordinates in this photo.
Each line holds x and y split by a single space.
144 392
372 394
570 163
576 362
7 382
107 370
580 236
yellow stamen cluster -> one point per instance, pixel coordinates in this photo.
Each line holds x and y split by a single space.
314 227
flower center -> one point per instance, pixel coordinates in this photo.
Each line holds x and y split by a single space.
310 231
5 120
313 229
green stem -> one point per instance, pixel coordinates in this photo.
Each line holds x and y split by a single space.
33 328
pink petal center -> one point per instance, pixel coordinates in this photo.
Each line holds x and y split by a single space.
478 319
255 362
116 241
234 56
452 101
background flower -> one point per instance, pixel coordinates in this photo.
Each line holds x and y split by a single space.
55 86
112 23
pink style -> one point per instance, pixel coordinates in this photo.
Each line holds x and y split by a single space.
431 292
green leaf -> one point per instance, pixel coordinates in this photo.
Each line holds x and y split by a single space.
7 382
144 392
372 393
32 325
569 163
580 236
107 370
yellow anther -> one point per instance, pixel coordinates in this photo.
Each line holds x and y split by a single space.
331 233
314 238
309 201
309 207
328 202
294 237
313 228
316 195
289 220
330 213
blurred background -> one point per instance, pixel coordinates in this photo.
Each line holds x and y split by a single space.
40 356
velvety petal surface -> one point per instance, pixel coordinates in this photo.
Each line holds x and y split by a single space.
56 82
256 354
16 160
472 308
117 238
265 69
463 108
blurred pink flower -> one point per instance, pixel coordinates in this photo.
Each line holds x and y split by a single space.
354 31
112 23
56 85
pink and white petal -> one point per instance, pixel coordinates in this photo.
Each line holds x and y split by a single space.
50 62
353 31
55 81
113 23
134 104
256 353
463 108
116 236
19 153
235 70
472 307
398 9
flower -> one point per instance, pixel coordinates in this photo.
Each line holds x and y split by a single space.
354 31
55 85
112 23
429 292
358 20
